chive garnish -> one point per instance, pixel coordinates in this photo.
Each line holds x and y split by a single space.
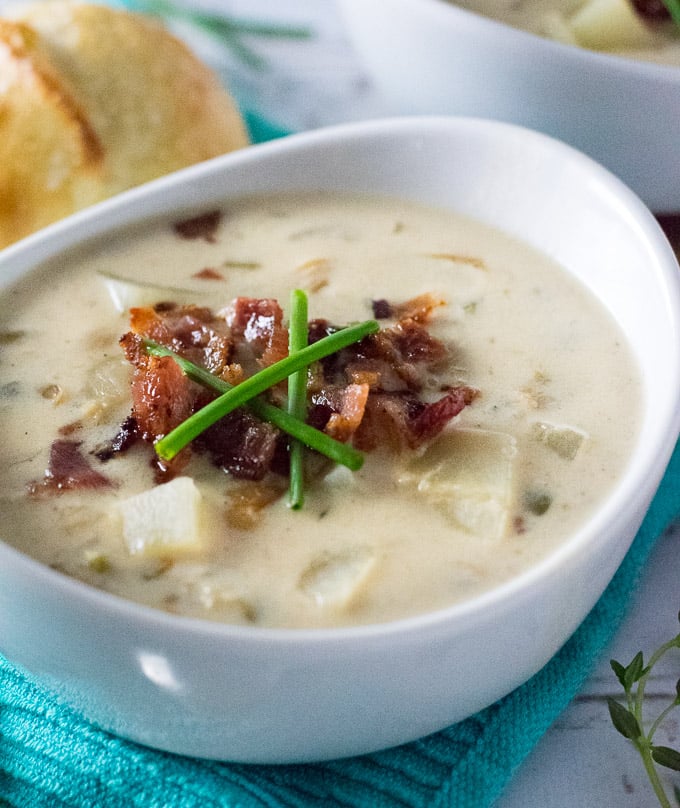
245 393
297 394
315 439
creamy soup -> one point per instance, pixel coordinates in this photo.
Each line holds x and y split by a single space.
638 31
500 487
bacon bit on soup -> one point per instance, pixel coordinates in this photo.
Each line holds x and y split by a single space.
208 274
384 390
204 226
67 470
418 308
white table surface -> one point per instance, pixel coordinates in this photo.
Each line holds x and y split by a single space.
581 762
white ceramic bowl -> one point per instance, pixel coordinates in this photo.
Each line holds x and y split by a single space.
266 695
431 57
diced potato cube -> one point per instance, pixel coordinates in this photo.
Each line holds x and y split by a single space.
563 440
609 25
334 580
164 520
469 475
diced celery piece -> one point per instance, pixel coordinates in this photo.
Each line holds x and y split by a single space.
609 25
334 579
469 474
563 440
164 520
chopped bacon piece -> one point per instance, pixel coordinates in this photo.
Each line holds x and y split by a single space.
203 226
193 331
343 424
247 502
399 358
402 420
68 470
126 437
433 417
241 444
418 308
259 323
208 274
162 396
369 393
382 309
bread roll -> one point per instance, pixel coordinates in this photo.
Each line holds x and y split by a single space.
94 101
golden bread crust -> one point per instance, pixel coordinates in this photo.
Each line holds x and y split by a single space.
94 101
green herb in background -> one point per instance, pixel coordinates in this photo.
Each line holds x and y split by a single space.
230 31
628 718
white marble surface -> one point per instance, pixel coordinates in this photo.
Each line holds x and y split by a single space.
302 83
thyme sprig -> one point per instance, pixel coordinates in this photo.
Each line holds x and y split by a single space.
297 393
231 31
628 718
246 393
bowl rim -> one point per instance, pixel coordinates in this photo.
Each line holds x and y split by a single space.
446 12
64 235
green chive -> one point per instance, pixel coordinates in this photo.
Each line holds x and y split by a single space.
320 441
297 394
233 397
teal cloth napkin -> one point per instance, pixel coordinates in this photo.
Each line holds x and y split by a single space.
51 757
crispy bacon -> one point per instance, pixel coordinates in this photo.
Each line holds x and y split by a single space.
67 470
345 420
241 444
377 392
402 420
258 325
203 226
418 308
162 396
193 331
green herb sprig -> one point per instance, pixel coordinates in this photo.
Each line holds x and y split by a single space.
246 393
232 32
297 393
628 718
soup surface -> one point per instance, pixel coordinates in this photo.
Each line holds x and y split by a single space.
634 30
506 480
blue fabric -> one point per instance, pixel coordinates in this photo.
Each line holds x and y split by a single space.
50 757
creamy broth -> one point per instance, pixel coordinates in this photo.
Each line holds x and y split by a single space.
605 25
549 433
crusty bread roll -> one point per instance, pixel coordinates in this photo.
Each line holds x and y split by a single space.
93 101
